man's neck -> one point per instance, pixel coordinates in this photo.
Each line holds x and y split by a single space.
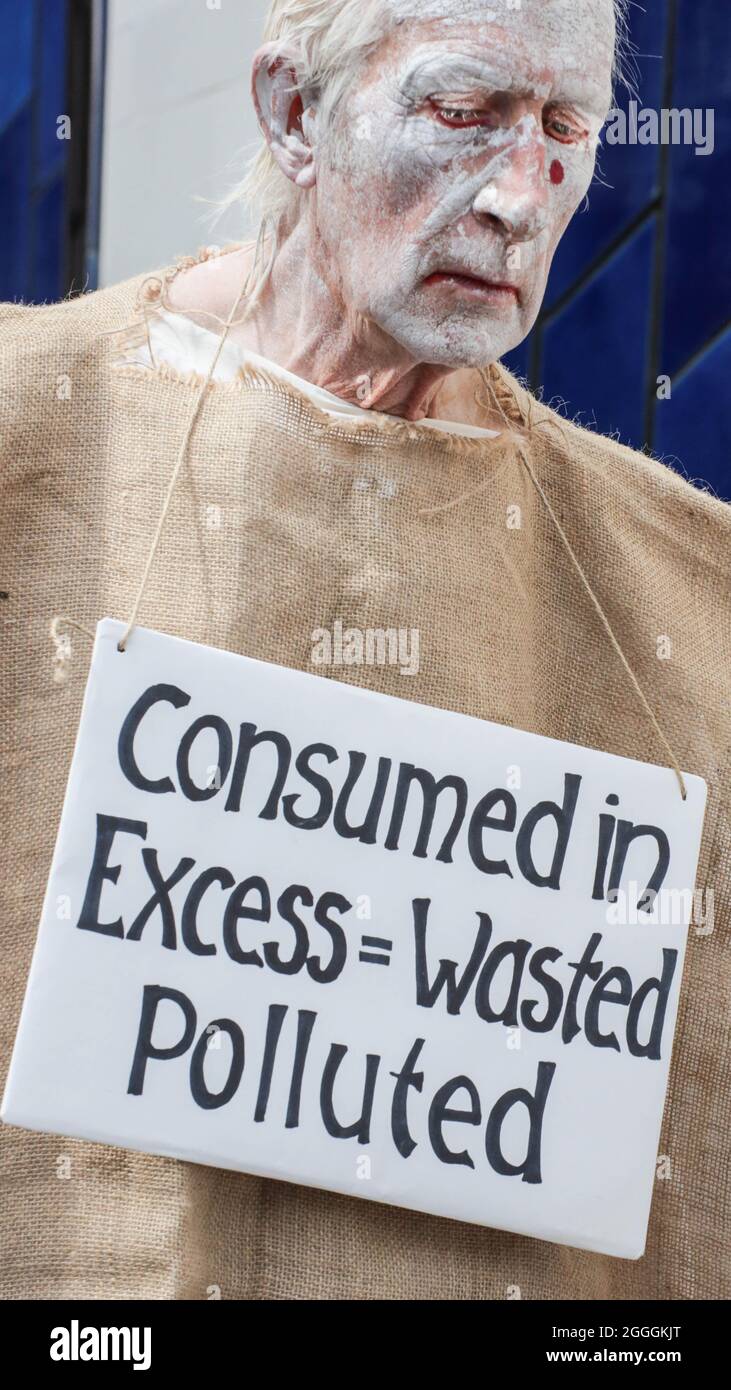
301 323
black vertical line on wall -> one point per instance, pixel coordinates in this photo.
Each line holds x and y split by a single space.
535 356
657 289
97 79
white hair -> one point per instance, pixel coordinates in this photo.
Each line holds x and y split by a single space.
327 40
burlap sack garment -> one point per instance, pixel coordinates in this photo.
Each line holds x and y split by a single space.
322 520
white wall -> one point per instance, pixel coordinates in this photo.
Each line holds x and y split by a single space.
178 125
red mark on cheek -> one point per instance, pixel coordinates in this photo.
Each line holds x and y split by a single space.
557 172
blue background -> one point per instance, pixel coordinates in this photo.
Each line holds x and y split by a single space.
641 284
32 159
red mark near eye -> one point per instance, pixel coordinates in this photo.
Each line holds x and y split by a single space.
557 172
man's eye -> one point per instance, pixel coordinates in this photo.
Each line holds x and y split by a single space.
560 130
462 116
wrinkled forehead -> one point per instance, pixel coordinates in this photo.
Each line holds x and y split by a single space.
533 43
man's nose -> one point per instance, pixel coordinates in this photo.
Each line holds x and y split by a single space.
515 192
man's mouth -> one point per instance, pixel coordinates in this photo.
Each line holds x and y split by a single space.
495 292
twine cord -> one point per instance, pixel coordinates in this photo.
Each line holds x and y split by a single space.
605 621
149 338
122 644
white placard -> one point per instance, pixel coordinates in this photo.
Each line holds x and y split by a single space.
300 929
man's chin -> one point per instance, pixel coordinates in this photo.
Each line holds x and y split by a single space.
456 348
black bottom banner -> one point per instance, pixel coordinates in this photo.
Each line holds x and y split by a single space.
199 1340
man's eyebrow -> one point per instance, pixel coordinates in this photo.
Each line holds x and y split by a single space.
427 71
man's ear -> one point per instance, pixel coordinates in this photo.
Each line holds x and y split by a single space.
282 119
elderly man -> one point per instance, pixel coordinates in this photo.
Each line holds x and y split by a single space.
346 449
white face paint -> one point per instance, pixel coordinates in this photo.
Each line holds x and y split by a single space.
450 170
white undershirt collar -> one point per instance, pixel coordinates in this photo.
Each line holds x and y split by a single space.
186 346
